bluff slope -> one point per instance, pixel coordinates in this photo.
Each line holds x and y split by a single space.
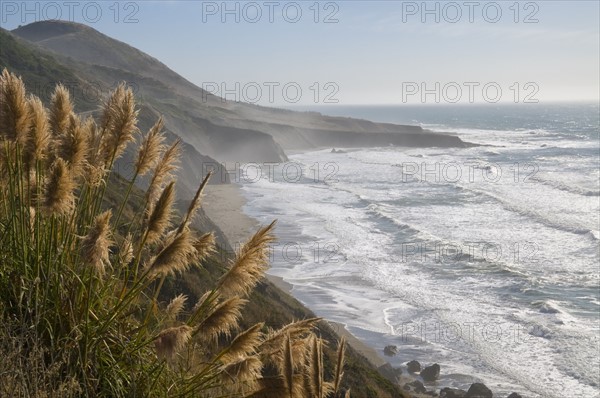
226 131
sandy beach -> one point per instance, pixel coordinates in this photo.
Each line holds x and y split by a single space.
223 204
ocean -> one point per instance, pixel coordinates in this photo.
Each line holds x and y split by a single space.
484 259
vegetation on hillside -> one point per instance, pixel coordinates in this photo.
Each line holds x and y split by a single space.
81 285
41 71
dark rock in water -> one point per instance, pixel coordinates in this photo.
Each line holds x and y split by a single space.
390 350
515 395
431 373
479 390
415 386
452 393
413 366
390 373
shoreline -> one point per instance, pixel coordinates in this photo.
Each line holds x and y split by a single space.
224 205
370 353
340 329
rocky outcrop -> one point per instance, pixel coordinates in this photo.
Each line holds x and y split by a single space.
479 390
413 366
390 350
431 373
452 393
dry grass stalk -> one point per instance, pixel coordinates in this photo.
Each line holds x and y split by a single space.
95 248
151 148
175 307
194 204
205 246
14 110
39 135
172 340
61 109
59 195
244 344
163 170
95 167
119 123
126 251
204 302
249 265
159 217
339 367
7 148
316 367
174 257
74 146
299 353
287 368
240 378
31 215
295 329
222 319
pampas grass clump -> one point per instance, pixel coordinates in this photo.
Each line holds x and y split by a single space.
80 283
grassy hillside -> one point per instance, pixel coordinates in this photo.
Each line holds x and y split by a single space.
42 71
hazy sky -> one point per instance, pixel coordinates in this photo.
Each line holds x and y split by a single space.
357 52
